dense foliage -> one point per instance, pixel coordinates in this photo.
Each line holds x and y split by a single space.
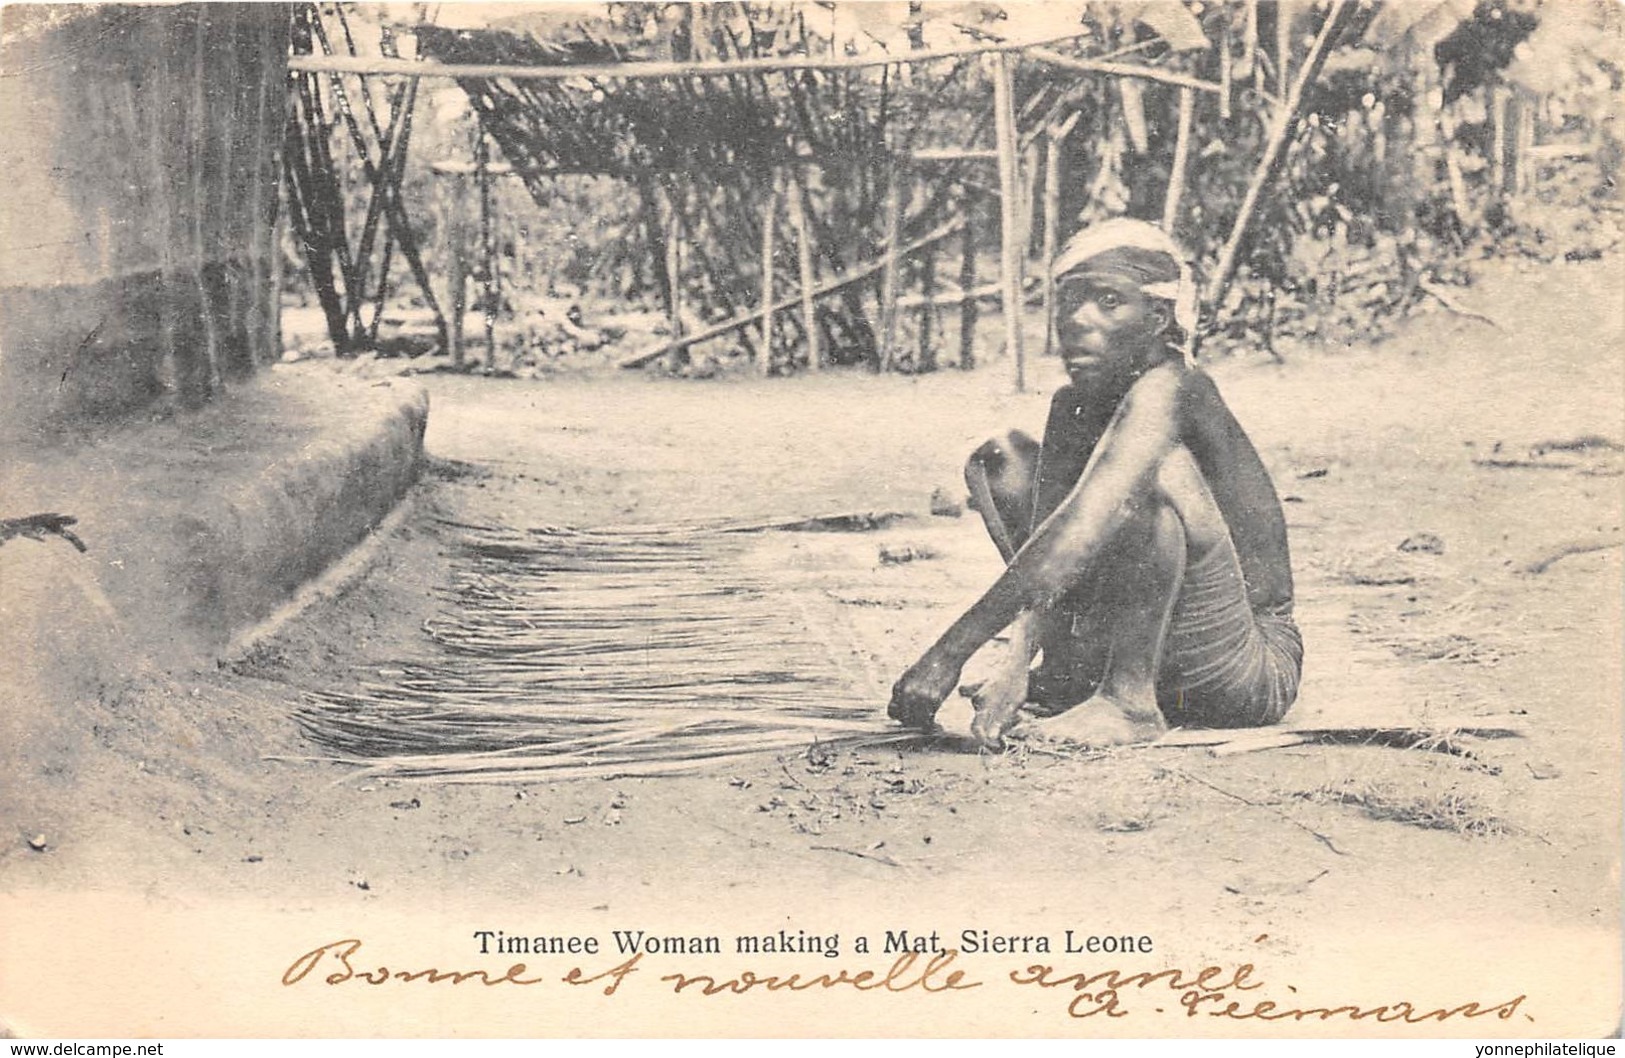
1436 130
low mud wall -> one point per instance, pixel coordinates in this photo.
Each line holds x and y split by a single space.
197 528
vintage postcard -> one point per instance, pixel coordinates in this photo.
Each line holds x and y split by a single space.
1085 519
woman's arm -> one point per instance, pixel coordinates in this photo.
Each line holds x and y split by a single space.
1114 488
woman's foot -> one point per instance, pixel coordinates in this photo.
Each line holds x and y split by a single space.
1096 723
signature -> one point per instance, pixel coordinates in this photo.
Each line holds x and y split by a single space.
1215 991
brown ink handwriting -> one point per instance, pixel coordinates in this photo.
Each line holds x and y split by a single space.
903 976
1212 991
340 952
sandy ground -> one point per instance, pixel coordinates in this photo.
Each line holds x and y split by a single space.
1370 446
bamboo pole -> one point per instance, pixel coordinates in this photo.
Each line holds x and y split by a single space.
1283 48
1523 157
393 207
1009 190
804 264
1133 100
482 158
458 278
1226 73
1117 69
384 67
197 117
400 223
968 309
1249 44
927 327
764 356
888 273
1052 220
985 292
378 176
1032 170
674 265
1274 155
1498 141
1182 157
953 154
1549 151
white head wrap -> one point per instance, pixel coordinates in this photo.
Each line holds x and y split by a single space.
1126 233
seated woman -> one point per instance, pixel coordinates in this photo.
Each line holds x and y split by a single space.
1145 545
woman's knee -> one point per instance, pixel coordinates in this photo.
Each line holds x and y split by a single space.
1169 538
1007 463
1003 453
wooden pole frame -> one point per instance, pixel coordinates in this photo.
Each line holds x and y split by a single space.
804 265
1013 253
764 355
889 273
800 297
482 151
1249 44
1181 163
1120 69
1052 219
385 67
1499 96
1284 10
674 269
457 295
968 309
1523 159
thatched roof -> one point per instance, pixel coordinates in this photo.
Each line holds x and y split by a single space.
626 128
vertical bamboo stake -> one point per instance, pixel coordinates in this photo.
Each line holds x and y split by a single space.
458 278
928 309
1052 224
1009 192
482 169
764 356
967 292
674 265
888 275
1523 161
259 319
273 323
1182 157
1498 146
1133 99
804 262
1225 73
1032 170
1249 44
198 149
1283 48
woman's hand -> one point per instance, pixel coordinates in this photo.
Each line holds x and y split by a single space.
919 691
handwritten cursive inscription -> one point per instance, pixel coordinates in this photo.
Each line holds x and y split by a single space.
1212 991
904 976
340 952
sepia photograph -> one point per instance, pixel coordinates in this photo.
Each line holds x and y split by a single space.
920 519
